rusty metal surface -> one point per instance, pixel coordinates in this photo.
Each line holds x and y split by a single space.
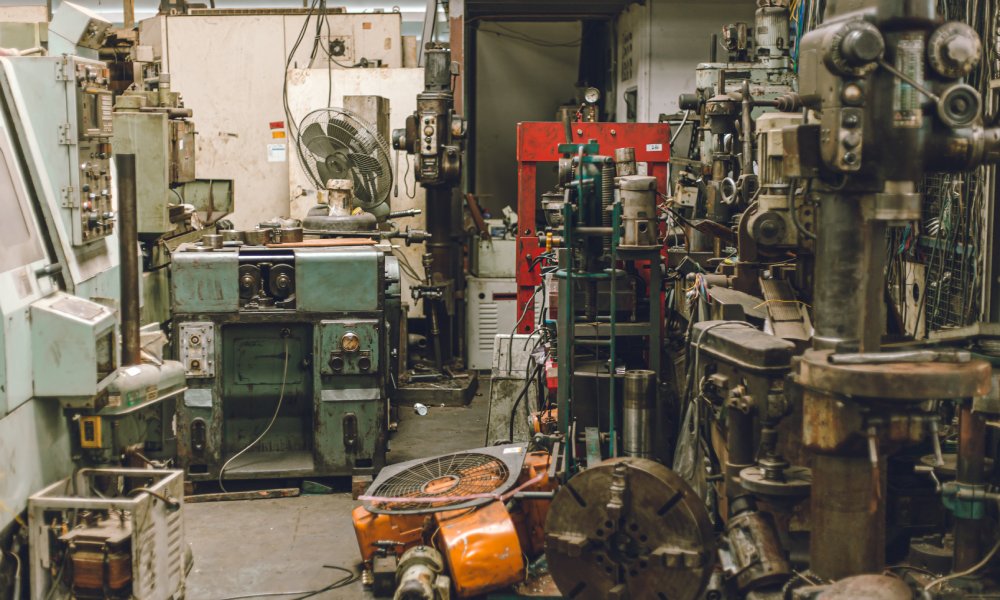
796 482
848 522
870 587
969 471
895 381
756 550
629 528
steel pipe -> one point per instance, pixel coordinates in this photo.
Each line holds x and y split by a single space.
128 251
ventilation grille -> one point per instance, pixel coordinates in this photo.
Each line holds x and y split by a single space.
450 480
489 325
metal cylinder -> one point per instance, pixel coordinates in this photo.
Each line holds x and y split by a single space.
163 90
437 70
638 198
212 240
640 402
443 266
839 307
417 574
848 520
755 547
128 250
257 237
417 341
772 31
625 162
290 235
969 471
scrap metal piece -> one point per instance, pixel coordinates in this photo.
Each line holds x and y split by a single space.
629 528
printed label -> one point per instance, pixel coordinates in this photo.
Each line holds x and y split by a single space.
276 153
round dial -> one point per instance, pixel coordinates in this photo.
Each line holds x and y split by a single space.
350 342
592 95
954 49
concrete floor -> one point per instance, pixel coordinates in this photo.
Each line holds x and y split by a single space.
269 548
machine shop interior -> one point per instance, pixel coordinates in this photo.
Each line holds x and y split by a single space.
499 299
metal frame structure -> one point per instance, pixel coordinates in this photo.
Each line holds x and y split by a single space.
545 142
538 143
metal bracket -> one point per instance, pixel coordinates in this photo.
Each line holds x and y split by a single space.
69 197
64 72
66 137
965 501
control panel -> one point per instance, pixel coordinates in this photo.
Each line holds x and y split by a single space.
197 349
91 199
348 347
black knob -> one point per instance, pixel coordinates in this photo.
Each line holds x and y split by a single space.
862 46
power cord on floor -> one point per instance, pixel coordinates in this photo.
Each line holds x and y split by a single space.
274 417
348 579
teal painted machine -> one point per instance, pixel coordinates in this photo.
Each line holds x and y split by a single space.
287 353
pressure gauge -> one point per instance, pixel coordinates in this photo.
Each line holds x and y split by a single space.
350 342
592 95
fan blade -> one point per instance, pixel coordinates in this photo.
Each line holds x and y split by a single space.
341 131
366 163
362 190
316 140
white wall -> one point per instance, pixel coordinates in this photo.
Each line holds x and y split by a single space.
669 39
24 14
517 81
230 71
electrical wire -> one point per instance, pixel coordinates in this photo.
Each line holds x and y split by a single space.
979 565
350 578
523 37
274 417
517 401
680 127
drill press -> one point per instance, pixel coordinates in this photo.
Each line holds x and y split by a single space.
882 85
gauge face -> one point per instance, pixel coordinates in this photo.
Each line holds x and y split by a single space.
592 95
350 342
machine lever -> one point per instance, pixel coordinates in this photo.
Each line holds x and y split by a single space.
877 358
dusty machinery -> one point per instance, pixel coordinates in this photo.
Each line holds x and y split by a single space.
886 86
596 247
287 362
716 179
813 429
151 122
288 343
433 135
88 543
71 392
465 521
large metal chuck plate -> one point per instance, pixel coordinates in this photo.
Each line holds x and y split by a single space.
629 528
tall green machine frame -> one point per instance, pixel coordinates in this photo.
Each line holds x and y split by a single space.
580 220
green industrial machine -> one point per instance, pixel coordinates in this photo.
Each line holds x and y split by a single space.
174 207
287 352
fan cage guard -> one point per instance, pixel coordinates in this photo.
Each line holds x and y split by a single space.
453 475
335 143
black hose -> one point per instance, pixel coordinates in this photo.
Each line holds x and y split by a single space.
524 393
